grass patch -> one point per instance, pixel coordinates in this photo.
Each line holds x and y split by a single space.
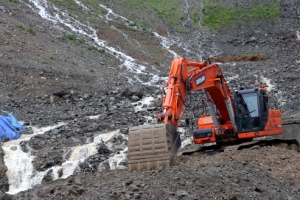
92 48
31 31
101 10
66 3
96 49
170 11
133 24
94 6
71 5
73 16
69 36
80 40
20 26
101 50
218 16
94 20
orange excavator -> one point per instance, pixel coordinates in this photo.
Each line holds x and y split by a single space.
233 117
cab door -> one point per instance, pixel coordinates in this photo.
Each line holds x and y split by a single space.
264 108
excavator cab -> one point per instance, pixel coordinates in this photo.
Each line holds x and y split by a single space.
251 110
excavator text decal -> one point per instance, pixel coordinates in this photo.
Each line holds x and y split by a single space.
200 80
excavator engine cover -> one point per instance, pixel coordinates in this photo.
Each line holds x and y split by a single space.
152 146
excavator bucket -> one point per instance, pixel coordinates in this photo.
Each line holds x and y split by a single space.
152 146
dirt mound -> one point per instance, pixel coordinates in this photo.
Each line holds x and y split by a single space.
254 57
229 175
279 160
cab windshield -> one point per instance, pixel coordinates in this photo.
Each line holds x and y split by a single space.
251 104
247 110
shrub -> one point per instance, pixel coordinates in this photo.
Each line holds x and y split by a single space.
31 30
20 26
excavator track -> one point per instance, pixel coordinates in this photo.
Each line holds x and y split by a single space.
152 146
290 138
213 149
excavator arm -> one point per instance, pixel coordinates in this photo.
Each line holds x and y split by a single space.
193 76
177 88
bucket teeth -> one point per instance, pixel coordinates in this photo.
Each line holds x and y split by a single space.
152 146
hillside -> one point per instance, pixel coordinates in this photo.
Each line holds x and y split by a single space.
68 63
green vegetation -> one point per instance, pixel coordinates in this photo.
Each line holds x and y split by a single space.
207 14
96 49
73 16
69 36
31 31
76 12
80 40
94 6
101 50
70 4
73 38
90 48
51 57
133 24
170 11
217 16
94 20
20 26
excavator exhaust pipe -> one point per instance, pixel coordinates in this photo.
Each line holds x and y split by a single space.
152 146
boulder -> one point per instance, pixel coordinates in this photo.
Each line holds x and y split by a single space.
133 90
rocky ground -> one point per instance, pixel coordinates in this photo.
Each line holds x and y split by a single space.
48 76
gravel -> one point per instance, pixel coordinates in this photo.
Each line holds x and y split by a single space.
45 80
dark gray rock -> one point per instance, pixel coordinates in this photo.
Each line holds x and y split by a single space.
135 98
133 90
60 172
133 188
49 176
37 186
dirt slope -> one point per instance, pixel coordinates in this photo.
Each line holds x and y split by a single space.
39 58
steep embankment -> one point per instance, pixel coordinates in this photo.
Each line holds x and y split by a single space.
88 52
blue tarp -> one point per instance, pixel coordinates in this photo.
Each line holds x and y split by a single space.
14 121
10 128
